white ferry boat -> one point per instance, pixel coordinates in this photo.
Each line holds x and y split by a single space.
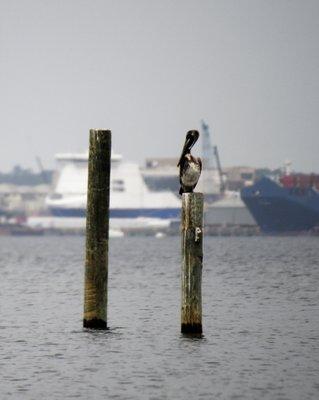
132 204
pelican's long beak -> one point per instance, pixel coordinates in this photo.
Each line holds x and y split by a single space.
191 139
189 142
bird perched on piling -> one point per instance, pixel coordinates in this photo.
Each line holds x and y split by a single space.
190 167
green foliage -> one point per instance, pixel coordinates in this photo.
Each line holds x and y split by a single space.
25 176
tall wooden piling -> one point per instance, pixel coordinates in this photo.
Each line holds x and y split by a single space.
97 230
192 261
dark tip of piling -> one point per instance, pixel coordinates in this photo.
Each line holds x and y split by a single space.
192 329
95 323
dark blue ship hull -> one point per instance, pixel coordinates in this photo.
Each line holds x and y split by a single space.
279 209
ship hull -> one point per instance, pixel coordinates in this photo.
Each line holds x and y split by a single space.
277 209
166 213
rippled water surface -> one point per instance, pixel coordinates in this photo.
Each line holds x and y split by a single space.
260 321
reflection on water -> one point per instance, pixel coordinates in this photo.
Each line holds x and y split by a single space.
260 321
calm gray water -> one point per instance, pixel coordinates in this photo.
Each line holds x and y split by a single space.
261 321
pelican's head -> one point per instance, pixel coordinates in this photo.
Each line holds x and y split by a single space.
191 139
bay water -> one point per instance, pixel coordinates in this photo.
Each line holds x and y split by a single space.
260 321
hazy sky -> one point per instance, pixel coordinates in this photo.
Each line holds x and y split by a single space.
151 70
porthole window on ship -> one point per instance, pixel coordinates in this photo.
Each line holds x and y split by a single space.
118 185
56 196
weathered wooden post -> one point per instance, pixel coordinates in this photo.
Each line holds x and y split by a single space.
192 261
97 230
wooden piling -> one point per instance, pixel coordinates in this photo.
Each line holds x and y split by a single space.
192 261
97 230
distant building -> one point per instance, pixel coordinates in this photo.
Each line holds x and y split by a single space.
22 191
22 199
239 177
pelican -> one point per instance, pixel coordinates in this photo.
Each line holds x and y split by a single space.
190 167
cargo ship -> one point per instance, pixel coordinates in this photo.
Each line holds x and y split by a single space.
290 204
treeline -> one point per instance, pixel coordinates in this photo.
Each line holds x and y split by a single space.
25 176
